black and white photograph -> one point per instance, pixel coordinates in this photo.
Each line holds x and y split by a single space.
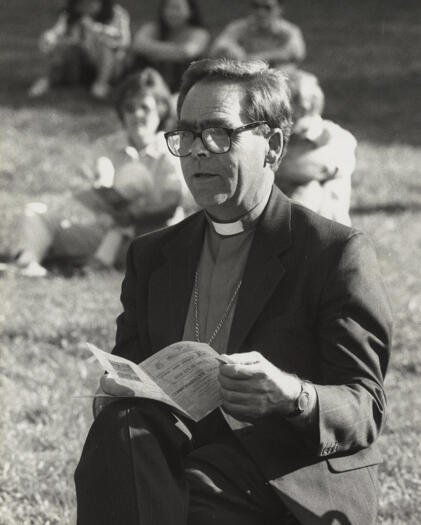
210 273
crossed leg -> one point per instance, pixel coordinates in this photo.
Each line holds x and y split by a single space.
138 468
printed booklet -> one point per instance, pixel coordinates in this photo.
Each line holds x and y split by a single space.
183 375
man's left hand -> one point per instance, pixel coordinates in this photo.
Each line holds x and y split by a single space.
253 387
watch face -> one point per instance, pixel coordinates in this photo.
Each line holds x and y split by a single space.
303 401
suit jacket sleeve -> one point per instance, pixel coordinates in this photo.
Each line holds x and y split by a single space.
127 343
354 328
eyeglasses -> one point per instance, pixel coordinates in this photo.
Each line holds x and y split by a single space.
215 139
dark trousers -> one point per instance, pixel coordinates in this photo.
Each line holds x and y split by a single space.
71 66
138 468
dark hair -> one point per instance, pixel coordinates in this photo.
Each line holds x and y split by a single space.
301 84
195 19
147 82
281 3
267 93
104 15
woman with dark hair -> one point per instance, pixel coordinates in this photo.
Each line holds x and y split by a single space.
137 187
87 46
170 43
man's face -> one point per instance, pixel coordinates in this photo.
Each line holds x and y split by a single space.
228 184
265 11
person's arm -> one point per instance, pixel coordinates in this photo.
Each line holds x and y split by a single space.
348 409
354 329
252 387
50 38
308 166
292 51
107 252
333 160
227 44
147 44
127 341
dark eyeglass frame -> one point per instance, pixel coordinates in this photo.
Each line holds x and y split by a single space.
229 131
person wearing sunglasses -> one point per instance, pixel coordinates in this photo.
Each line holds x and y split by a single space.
263 35
294 304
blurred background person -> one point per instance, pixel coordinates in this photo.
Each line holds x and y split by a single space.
138 187
320 159
87 46
264 35
171 42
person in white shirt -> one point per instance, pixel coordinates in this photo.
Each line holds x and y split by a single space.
86 46
318 165
263 35
136 186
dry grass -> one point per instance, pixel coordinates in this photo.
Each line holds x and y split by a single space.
373 87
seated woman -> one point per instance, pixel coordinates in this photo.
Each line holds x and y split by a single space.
172 42
138 187
320 159
87 45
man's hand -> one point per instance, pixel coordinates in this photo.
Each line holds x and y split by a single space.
253 387
108 392
110 386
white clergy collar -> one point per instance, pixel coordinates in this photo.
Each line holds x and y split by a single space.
228 228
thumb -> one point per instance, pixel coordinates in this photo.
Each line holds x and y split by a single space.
110 386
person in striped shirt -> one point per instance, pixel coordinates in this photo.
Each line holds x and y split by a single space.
87 45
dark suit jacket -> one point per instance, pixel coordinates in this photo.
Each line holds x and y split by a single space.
313 303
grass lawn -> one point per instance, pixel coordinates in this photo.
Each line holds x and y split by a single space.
367 56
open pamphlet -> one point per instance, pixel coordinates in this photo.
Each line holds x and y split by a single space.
183 375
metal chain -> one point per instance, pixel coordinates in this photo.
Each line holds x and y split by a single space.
196 310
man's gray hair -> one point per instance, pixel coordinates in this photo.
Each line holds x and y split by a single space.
267 92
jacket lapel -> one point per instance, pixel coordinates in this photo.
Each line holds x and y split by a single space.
171 284
264 269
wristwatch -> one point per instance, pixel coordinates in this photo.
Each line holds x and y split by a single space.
302 402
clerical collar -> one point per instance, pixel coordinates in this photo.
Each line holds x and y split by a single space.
244 223
227 228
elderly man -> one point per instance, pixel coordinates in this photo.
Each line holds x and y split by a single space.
263 35
293 300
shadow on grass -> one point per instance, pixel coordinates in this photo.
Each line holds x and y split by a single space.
391 208
367 60
74 101
383 110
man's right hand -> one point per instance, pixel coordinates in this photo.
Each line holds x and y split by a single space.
108 392
111 387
